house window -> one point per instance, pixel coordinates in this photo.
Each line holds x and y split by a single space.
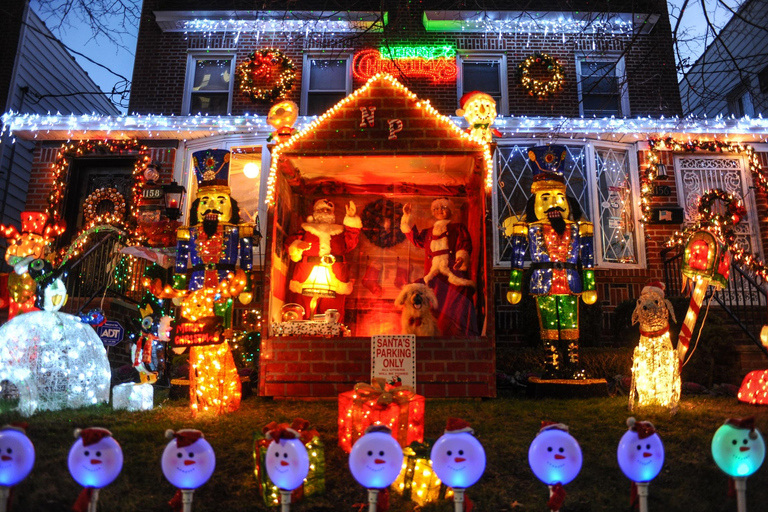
209 85
740 102
325 82
484 73
602 87
762 78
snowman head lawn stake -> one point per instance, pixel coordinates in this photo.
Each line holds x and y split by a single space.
555 458
458 459
641 456
95 461
17 456
188 463
739 450
375 461
287 460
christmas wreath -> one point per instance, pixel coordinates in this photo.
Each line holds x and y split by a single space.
115 215
266 66
538 65
381 223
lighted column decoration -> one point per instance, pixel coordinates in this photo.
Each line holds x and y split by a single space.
655 368
739 450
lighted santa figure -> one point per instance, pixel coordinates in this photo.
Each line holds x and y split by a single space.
448 247
95 461
560 245
321 274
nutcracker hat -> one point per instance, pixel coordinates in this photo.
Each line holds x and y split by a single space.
212 170
643 428
471 96
547 164
92 435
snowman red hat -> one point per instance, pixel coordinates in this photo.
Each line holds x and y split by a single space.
184 437
17 426
654 286
643 428
457 426
92 435
470 96
552 425
744 423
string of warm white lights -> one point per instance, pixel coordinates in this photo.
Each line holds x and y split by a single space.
423 104
276 25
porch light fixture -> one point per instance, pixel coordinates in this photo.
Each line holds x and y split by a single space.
174 194
661 170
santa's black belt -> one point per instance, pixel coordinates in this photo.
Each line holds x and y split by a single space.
557 265
323 259
213 266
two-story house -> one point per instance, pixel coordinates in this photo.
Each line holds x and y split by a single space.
377 89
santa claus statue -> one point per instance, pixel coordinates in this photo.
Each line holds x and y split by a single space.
320 279
448 247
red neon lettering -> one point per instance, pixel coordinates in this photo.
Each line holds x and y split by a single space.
370 62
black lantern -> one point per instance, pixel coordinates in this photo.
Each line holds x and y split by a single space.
174 195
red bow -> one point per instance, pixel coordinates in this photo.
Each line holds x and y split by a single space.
176 503
83 500
557 498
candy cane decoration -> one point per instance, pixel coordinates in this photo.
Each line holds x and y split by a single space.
684 340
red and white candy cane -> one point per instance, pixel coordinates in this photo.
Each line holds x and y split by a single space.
684 340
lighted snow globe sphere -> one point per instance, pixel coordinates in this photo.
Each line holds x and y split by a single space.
188 459
641 452
738 447
287 460
554 455
95 460
376 458
457 456
17 455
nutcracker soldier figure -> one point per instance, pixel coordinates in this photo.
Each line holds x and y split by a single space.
211 244
560 245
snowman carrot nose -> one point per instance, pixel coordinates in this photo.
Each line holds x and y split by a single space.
459 459
559 457
744 449
189 462
647 454
5 457
284 463
379 461
95 461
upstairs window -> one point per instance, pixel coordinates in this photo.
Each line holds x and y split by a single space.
325 82
209 85
602 87
485 73
740 102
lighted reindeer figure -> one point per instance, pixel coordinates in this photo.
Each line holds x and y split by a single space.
655 367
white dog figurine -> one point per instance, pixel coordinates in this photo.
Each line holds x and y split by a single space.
417 301
655 367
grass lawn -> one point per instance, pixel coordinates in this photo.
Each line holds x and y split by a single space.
689 481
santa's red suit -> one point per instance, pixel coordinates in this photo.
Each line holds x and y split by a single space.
326 239
443 243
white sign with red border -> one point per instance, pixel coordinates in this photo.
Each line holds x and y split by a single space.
393 358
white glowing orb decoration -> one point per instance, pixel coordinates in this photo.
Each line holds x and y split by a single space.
17 456
54 360
458 459
95 464
188 461
376 459
287 463
133 397
641 460
252 170
555 456
739 452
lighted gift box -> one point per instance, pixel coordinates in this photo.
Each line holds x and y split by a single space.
133 397
398 408
417 482
313 484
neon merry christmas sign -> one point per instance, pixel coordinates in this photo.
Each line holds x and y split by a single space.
437 63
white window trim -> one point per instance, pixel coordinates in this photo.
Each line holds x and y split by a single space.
192 57
183 175
591 170
621 73
481 56
305 72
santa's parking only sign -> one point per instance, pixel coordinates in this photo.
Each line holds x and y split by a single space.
393 358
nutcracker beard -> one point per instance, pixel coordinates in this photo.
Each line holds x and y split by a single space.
211 222
555 216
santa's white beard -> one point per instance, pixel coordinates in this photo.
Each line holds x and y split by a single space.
324 218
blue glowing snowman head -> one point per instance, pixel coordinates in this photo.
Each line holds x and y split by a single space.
287 460
738 447
96 459
188 459
457 456
376 458
17 455
554 455
641 452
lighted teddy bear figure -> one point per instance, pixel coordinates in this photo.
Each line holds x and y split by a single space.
52 358
479 109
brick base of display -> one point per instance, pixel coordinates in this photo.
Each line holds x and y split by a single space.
324 367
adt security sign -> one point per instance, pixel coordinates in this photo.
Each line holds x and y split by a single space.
111 333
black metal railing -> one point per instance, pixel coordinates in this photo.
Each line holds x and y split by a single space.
744 300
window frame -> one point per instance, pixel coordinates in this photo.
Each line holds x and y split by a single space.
305 75
592 193
621 75
182 173
196 55
483 56
740 100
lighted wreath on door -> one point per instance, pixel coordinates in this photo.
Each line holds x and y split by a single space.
266 75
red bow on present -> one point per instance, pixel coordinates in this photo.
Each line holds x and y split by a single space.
275 431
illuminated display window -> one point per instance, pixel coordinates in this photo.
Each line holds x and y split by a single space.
208 88
326 80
